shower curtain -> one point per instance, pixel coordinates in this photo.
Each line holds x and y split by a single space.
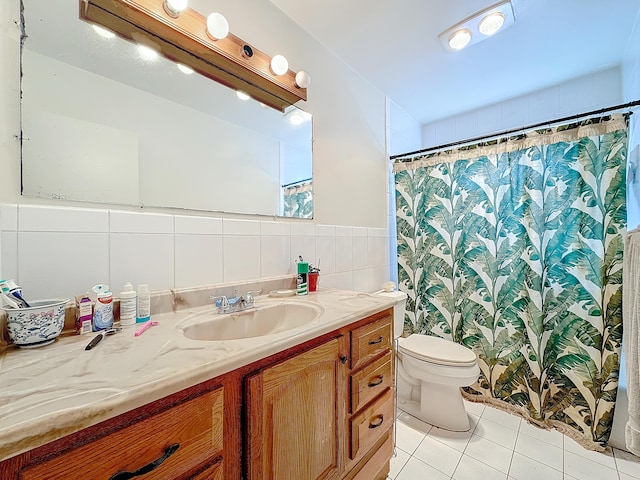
298 200
514 249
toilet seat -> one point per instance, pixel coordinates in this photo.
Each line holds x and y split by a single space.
437 350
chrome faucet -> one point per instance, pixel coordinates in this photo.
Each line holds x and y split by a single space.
238 303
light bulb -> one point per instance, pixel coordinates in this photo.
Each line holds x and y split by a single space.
303 79
279 65
217 26
242 96
174 7
460 39
491 23
147 53
103 32
184 69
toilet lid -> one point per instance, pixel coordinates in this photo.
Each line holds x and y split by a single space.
437 350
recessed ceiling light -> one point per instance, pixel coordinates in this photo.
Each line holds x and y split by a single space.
460 39
147 53
184 69
103 32
491 23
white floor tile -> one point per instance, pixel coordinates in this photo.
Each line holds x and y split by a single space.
415 469
471 469
474 408
603 458
457 440
398 461
501 417
552 437
414 422
492 454
497 433
540 451
585 469
440 456
407 438
525 468
624 476
627 463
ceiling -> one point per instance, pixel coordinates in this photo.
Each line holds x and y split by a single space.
394 45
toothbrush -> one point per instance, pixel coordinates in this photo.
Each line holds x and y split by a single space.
147 325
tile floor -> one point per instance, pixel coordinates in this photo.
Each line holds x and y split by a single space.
500 446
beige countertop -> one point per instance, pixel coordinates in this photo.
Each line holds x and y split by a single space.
52 391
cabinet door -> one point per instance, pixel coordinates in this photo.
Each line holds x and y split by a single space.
295 417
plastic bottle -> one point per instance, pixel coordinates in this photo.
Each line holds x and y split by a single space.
144 304
128 305
103 310
303 274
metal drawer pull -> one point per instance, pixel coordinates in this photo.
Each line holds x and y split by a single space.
378 380
379 421
374 342
343 359
171 449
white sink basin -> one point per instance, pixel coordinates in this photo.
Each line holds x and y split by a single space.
257 322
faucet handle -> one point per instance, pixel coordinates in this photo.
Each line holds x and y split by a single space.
249 295
221 302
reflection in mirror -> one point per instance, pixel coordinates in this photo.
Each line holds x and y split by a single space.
103 124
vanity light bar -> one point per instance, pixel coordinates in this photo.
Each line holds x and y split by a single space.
183 39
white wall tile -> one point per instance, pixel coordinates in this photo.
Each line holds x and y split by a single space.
543 105
360 232
139 222
305 246
275 256
467 126
8 217
342 231
344 254
515 112
53 219
360 252
362 281
325 254
303 229
241 257
198 225
489 119
327 280
9 255
142 258
325 230
232 226
377 251
344 280
275 228
198 260
60 264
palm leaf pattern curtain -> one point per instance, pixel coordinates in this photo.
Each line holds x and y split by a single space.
298 200
515 250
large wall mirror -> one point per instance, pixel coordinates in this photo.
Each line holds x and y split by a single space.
102 123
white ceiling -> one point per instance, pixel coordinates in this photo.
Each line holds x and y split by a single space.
394 44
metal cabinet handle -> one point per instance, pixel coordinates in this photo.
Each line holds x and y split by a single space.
343 359
379 421
171 449
375 342
378 380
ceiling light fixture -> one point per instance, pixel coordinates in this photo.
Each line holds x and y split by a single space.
242 96
202 43
479 26
103 32
147 53
184 69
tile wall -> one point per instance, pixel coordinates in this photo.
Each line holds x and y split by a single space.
61 251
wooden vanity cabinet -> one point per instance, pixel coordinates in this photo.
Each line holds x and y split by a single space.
327 413
322 410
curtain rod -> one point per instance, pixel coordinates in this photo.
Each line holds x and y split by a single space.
516 130
297 182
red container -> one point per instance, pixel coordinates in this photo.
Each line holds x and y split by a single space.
313 281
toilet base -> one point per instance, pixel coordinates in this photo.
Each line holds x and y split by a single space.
440 406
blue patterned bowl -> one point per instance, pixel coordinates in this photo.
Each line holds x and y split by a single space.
37 325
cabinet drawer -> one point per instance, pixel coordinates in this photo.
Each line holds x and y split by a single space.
196 426
370 340
214 472
371 424
372 380
377 466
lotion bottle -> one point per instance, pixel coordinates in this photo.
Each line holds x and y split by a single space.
144 304
128 305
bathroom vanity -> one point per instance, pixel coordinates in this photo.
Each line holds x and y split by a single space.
312 402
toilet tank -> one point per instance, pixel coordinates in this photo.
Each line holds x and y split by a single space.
398 310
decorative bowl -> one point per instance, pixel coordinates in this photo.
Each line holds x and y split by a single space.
37 325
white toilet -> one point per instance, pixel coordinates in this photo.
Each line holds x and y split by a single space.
430 371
